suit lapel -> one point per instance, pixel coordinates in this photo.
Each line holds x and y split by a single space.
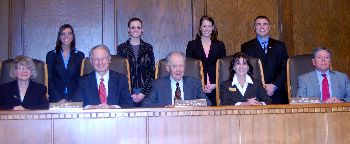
259 49
185 89
70 64
93 92
167 90
333 84
315 84
112 87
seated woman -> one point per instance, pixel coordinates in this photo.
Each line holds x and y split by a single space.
242 89
23 93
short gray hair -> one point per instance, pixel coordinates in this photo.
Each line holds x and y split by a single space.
25 61
175 53
315 50
100 46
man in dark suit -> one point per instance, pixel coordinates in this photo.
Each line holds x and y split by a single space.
274 56
103 88
175 86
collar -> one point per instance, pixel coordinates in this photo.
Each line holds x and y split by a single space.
320 73
173 80
105 77
260 39
248 79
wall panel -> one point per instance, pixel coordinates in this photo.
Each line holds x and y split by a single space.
4 31
167 23
323 23
235 20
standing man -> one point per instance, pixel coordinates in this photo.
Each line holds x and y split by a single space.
273 55
175 86
103 88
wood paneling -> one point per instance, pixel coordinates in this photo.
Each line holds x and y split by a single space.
4 31
235 20
290 124
167 23
323 23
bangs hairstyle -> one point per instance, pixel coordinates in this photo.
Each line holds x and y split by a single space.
236 58
134 19
25 61
214 34
58 47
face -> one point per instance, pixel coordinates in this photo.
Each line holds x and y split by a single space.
23 72
135 29
176 67
206 28
241 67
262 27
66 36
322 61
100 60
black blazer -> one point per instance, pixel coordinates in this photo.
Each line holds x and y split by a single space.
118 92
231 97
60 77
217 50
274 64
160 95
141 67
35 97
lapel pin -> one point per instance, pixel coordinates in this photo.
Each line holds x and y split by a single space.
232 89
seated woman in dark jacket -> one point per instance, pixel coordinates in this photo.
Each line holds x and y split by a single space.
23 93
242 89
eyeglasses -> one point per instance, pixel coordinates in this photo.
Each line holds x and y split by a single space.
97 60
177 66
24 68
66 34
136 28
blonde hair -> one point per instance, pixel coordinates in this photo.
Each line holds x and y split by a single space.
25 61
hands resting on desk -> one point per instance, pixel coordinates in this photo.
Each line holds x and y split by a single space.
102 106
333 100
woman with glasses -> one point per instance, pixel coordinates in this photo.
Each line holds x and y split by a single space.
63 65
23 93
141 60
207 48
241 88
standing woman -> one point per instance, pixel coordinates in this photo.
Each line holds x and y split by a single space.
207 48
63 64
141 59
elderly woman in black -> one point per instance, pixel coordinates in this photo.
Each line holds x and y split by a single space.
141 59
242 89
23 93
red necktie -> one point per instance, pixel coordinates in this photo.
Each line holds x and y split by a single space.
102 92
325 88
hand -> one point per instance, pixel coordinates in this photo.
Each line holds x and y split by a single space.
170 106
333 100
270 88
103 106
138 97
209 87
253 101
134 97
18 108
62 101
114 106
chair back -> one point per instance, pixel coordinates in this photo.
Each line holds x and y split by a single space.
296 66
40 66
223 72
118 64
194 68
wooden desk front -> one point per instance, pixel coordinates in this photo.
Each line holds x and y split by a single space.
271 124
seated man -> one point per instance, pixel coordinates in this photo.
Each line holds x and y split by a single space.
176 86
103 88
330 86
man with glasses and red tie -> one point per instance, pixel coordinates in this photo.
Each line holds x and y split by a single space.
330 86
103 88
175 86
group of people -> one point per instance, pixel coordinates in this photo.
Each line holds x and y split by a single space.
104 88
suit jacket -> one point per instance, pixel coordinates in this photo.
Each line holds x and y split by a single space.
274 65
35 96
230 97
60 77
118 93
217 50
141 66
161 93
308 85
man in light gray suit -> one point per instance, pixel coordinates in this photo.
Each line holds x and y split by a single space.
330 86
164 89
